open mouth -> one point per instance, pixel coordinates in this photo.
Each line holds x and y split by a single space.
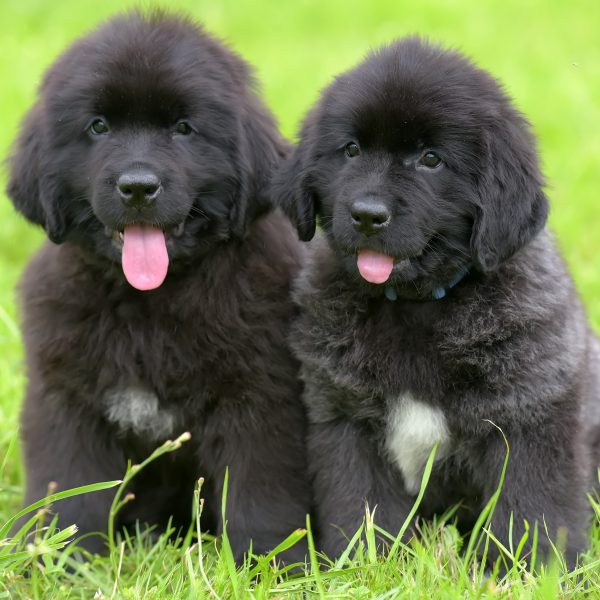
376 267
144 255
117 235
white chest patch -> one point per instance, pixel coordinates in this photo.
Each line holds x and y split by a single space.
413 429
138 410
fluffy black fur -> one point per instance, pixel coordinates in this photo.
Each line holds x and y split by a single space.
114 371
507 347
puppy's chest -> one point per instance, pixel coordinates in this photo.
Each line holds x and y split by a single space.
150 378
137 409
377 352
154 347
413 428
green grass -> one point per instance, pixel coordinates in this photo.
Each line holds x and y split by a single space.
547 54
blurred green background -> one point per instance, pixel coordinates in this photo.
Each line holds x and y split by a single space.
547 53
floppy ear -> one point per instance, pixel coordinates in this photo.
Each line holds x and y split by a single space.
292 185
261 151
512 205
291 189
32 186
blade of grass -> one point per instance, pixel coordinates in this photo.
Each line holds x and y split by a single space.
52 498
290 540
226 552
316 571
415 507
131 472
8 452
199 505
485 517
351 544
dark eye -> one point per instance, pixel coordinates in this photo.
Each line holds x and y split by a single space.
430 160
183 128
98 127
352 149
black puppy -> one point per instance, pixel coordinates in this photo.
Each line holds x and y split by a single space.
146 159
436 305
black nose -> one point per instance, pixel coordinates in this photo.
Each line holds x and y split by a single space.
369 216
138 189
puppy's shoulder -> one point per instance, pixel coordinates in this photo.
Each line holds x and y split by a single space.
530 300
320 280
272 249
535 284
56 272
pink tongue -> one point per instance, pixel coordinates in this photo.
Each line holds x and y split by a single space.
145 260
373 266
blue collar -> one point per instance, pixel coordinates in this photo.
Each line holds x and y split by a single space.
438 293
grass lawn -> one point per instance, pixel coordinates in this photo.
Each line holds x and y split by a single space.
546 52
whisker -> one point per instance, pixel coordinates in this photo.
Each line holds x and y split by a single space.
198 211
451 245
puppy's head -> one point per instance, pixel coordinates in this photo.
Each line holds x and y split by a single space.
418 168
147 144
